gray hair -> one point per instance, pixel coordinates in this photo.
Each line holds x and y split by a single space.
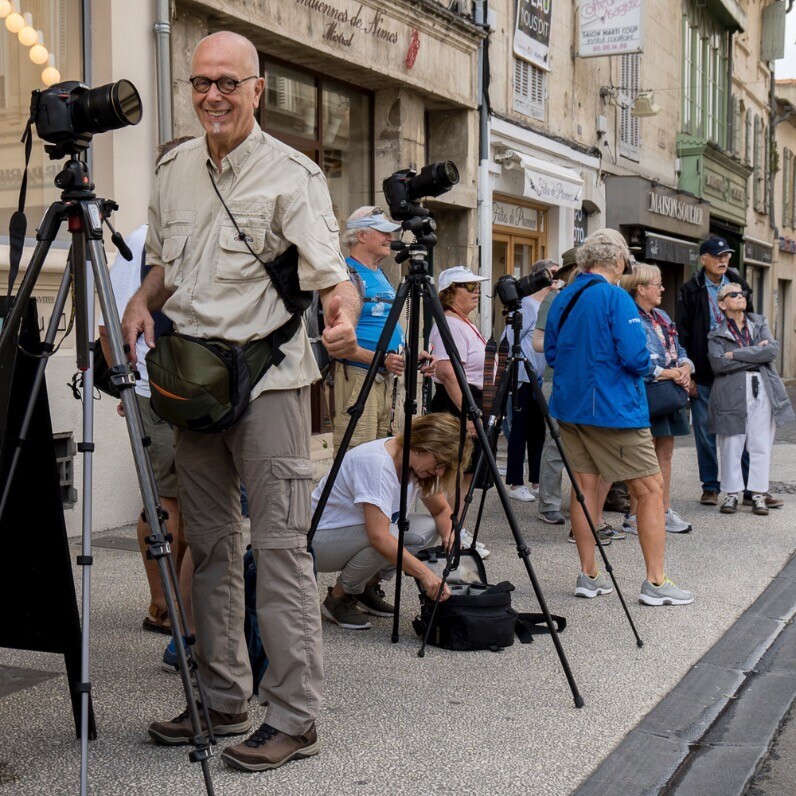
348 237
602 248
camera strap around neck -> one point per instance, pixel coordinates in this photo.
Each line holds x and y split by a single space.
18 225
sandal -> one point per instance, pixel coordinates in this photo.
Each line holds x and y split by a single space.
157 622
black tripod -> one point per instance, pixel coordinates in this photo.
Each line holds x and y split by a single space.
418 287
85 214
483 478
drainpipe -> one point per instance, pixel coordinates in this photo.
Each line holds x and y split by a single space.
162 29
484 180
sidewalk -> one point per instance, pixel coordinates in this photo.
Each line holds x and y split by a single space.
394 723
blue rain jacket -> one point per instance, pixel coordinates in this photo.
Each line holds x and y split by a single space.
598 358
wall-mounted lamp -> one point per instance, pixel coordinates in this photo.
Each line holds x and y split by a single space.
508 158
641 106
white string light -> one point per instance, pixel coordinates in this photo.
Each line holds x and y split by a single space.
15 21
50 75
38 52
27 36
5 8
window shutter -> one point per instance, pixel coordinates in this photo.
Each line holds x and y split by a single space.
629 126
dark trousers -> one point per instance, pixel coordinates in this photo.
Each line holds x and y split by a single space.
527 432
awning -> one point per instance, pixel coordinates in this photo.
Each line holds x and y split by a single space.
551 184
670 250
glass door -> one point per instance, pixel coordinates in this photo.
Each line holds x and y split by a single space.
513 255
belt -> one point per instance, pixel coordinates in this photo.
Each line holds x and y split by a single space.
753 370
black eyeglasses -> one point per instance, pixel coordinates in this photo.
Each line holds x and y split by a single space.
734 294
226 85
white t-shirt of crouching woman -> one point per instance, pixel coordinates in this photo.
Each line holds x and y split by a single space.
367 475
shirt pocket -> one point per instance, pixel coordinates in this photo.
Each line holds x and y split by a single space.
238 251
173 256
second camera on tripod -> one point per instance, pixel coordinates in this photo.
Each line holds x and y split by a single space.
511 290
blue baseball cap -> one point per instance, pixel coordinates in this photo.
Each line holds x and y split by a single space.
715 246
375 220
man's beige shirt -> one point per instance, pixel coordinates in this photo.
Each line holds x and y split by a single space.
277 197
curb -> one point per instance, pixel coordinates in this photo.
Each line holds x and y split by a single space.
709 734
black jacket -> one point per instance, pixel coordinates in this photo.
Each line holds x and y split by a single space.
692 317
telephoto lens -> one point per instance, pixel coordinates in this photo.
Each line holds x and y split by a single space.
106 108
434 179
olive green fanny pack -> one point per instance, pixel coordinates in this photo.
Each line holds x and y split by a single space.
204 385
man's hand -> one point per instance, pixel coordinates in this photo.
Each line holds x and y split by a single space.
692 389
728 355
137 320
339 335
394 363
428 363
431 584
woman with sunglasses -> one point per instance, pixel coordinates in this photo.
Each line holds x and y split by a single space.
669 361
748 399
357 534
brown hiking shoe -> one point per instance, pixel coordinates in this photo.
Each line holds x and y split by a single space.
179 730
709 498
271 748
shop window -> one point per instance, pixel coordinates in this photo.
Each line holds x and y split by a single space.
60 22
329 122
530 89
629 126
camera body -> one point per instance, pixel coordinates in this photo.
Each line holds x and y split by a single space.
512 291
405 188
68 114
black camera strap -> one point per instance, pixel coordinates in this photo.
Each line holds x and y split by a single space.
571 305
18 225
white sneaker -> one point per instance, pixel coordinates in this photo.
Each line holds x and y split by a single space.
521 493
675 523
629 524
467 541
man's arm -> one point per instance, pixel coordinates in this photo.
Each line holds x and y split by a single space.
341 307
137 320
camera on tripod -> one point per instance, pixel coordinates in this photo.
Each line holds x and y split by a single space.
511 290
68 114
404 189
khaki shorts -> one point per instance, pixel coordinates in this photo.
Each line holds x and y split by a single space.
161 451
374 423
617 454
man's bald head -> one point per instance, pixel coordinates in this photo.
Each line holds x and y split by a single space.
228 40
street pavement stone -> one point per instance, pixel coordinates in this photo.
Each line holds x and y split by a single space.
452 722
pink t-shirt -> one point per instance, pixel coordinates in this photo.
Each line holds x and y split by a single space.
471 349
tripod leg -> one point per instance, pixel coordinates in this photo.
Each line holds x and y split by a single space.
474 413
159 547
556 435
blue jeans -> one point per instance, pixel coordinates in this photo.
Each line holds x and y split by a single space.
707 457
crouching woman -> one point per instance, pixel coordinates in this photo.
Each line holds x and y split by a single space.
357 534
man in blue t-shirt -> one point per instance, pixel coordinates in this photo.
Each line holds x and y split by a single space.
368 236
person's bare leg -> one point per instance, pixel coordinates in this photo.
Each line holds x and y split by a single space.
603 488
664 449
648 492
589 486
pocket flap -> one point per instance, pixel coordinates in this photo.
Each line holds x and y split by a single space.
173 247
229 240
292 468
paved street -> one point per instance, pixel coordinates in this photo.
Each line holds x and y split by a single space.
451 722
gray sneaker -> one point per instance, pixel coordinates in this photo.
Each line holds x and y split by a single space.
675 523
608 530
630 524
667 593
592 587
552 517
343 611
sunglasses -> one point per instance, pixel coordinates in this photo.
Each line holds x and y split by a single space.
470 287
734 294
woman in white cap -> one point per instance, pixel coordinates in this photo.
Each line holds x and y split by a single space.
459 291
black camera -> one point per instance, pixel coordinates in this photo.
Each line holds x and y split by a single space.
405 188
511 290
68 114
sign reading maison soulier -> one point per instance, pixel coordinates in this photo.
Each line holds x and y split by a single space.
343 24
675 208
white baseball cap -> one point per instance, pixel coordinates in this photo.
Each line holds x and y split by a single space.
457 276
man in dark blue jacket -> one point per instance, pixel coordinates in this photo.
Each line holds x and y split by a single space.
596 345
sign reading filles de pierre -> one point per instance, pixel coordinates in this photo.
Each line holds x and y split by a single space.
532 32
610 27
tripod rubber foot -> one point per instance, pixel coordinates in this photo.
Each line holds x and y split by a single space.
579 703
394 638
421 653
639 643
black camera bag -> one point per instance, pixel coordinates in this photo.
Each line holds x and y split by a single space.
476 616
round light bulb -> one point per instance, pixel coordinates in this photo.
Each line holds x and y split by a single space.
14 22
38 54
27 36
5 8
50 75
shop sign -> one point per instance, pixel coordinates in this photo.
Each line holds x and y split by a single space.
532 32
759 252
552 190
579 229
343 25
670 250
515 216
672 207
787 244
610 27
